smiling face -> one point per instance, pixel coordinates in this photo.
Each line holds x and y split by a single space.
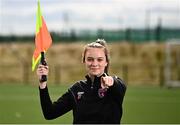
95 61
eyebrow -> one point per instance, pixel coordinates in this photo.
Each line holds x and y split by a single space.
96 58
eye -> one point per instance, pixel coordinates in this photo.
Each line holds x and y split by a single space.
89 59
100 59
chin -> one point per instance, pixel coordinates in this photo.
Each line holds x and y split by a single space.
95 73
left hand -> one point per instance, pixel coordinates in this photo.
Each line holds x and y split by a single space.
106 81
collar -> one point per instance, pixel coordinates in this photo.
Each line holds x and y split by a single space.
94 78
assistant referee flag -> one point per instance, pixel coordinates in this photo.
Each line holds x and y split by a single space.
42 38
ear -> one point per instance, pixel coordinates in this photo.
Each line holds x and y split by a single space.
106 64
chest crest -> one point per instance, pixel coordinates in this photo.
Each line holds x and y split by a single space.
79 95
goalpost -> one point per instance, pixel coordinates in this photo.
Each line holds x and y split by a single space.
172 63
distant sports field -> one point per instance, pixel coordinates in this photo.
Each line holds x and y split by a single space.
142 104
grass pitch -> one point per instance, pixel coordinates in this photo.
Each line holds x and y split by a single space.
142 104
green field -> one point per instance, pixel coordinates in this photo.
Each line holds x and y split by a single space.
142 104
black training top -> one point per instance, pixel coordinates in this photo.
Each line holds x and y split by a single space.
90 103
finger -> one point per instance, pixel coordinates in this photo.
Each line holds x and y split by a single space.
46 67
106 82
42 70
110 81
40 65
103 80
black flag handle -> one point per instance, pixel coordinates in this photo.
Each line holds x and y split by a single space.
43 62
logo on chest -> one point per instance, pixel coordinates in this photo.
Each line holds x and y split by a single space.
102 92
79 95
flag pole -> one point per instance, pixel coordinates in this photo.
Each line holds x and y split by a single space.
43 62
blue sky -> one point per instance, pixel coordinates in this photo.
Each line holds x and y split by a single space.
19 16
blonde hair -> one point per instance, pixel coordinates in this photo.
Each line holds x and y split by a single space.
99 43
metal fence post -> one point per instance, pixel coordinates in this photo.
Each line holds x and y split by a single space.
25 72
57 78
161 75
125 73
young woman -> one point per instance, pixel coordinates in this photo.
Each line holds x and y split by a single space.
96 100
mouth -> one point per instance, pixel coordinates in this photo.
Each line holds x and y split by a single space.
94 69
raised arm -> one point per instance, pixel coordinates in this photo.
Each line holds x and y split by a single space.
51 109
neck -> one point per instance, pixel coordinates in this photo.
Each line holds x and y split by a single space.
93 76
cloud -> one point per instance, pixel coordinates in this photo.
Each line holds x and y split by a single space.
18 16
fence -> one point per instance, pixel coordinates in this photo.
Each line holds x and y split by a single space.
158 34
134 74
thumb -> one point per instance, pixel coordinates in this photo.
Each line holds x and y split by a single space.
103 82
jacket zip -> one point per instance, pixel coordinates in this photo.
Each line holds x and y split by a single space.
91 85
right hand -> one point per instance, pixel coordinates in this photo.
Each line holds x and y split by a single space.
106 81
42 70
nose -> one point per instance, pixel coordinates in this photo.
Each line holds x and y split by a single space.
94 63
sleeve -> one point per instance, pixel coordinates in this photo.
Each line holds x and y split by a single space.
52 110
118 89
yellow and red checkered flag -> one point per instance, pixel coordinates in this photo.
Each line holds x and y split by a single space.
42 39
